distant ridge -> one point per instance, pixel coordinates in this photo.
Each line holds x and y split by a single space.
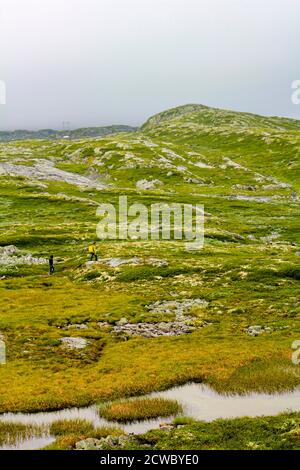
51 134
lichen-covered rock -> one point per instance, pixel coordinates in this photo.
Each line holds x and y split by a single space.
108 442
256 330
8 250
74 343
178 308
183 323
10 256
153 330
115 262
148 184
134 261
89 444
75 326
122 321
45 170
166 426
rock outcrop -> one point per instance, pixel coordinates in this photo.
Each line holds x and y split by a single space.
10 256
183 323
45 170
74 343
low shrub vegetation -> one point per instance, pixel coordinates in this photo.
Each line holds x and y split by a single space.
183 420
11 433
139 409
262 433
76 426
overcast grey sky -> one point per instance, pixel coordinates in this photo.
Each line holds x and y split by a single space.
98 62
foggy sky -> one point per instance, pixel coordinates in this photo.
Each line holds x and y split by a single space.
99 62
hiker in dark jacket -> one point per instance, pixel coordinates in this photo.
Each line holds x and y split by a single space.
51 265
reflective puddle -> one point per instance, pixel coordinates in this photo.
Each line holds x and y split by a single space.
33 443
198 401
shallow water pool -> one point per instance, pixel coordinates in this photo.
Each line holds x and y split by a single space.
198 401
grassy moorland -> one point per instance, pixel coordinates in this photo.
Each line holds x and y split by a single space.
243 168
280 432
268 433
124 411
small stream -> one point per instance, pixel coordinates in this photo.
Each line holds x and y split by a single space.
198 401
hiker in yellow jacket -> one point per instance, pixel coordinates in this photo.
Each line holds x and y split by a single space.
92 251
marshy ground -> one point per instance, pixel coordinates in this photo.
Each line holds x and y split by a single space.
244 169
